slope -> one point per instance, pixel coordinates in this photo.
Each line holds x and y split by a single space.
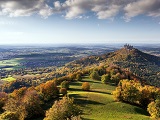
141 64
98 104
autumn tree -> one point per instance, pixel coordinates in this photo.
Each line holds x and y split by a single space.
15 106
148 94
79 77
9 116
63 109
94 75
105 78
32 103
47 90
3 98
128 90
65 84
154 109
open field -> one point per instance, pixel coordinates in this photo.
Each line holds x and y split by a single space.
9 79
98 104
10 64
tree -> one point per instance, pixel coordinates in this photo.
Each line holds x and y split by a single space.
105 78
28 106
63 91
9 116
128 90
63 109
65 84
32 103
154 109
48 90
94 75
85 86
79 77
148 94
15 106
3 98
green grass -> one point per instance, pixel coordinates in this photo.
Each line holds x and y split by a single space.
10 64
98 104
9 79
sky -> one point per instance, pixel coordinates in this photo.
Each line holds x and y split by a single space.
79 21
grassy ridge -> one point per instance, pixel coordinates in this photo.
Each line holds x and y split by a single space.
98 104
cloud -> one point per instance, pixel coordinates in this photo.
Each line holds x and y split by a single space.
16 8
110 12
70 9
146 7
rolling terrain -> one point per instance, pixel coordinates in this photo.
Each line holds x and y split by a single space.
141 64
98 103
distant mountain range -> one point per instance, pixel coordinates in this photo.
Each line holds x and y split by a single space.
141 64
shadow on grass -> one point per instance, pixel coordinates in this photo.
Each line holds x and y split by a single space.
75 89
91 81
76 96
82 101
100 92
141 111
86 119
76 84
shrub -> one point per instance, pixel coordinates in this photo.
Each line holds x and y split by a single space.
86 86
65 84
63 91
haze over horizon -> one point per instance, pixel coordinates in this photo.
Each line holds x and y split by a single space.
79 21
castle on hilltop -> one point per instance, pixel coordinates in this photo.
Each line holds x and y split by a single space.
127 46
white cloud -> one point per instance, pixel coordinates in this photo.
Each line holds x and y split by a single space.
16 8
109 13
146 7
103 9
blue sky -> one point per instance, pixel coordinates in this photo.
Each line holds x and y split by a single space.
79 21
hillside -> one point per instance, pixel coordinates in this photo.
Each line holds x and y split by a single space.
98 103
141 64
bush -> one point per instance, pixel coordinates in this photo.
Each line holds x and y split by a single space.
63 91
94 75
86 86
154 109
65 84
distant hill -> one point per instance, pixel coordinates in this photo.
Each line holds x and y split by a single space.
141 64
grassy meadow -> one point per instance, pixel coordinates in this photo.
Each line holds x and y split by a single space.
98 104
9 79
10 64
